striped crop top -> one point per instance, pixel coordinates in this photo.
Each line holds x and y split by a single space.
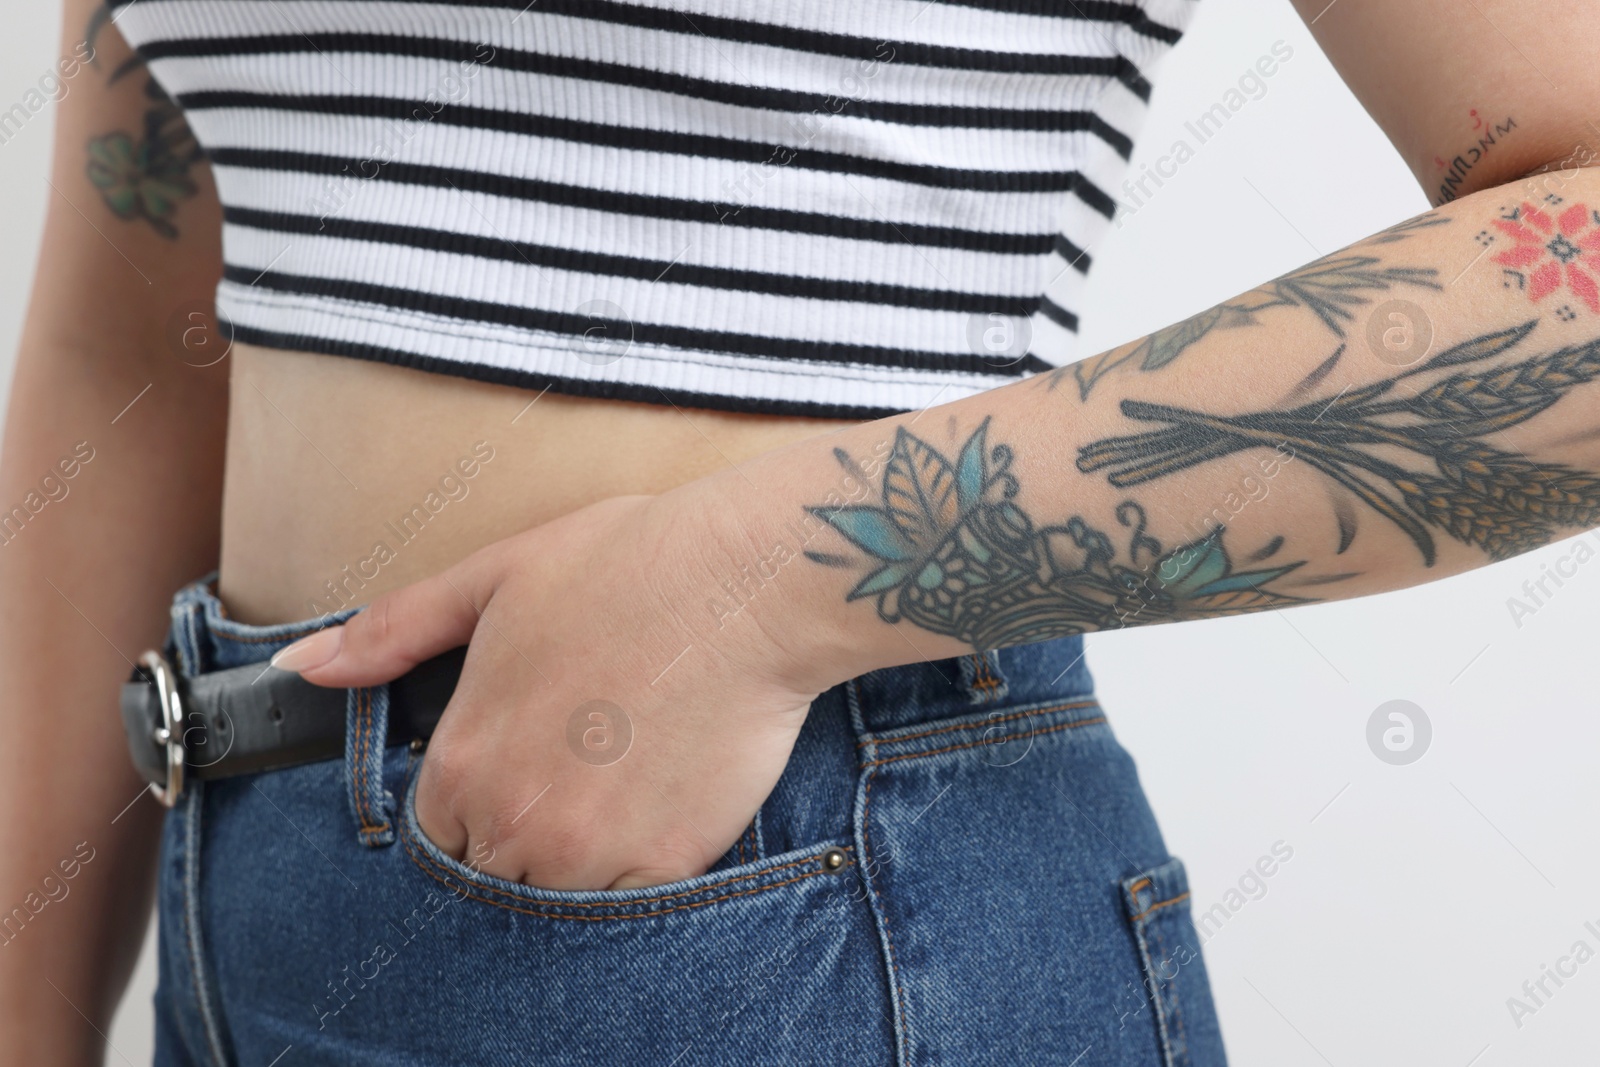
839 208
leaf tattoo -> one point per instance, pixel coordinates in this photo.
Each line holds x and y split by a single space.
144 177
949 550
1329 288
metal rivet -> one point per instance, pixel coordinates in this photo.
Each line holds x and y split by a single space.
834 858
416 744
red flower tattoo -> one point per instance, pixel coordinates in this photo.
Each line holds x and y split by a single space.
1549 251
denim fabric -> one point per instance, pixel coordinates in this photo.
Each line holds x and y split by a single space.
1005 897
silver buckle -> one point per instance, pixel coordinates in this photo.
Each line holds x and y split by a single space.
170 732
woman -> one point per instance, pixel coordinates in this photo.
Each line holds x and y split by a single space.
659 356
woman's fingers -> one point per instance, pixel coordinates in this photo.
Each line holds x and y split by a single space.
397 631
439 825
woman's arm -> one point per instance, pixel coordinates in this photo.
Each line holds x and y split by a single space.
1420 403
1417 404
1408 407
110 484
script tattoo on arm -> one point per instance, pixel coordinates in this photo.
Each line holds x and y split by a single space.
1331 288
144 175
947 548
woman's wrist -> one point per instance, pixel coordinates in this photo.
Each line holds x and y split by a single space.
770 545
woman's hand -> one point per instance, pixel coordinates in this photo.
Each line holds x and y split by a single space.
608 730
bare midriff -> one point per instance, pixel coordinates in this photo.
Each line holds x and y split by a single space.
347 478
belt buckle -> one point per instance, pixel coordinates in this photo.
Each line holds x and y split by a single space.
170 732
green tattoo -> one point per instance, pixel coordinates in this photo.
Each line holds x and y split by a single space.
952 553
948 549
145 176
1330 288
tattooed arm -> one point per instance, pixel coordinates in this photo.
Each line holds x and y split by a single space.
1421 403
110 488
1414 405
1418 404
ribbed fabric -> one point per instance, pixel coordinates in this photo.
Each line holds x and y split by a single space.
818 207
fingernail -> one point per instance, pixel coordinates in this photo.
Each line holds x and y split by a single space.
310 652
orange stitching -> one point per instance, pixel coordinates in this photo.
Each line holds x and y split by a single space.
983 678
405 830
986 677
614 918
363 705
1140 884
455 883
975 744
361 749
1179 899
979 725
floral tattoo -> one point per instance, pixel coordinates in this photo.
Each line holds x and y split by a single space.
144 175
951 552
1330 288
948 546
1551 253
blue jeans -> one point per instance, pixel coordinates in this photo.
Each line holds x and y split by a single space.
1004 896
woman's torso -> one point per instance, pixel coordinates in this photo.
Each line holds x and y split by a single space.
346 478
684 231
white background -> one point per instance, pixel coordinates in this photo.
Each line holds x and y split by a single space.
1419 898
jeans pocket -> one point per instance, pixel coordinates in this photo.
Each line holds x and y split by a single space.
824 859
1177 990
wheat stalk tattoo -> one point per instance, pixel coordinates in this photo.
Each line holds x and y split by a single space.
948 549
1499 501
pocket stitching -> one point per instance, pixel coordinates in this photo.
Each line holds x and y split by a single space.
975 725
1151 931
420 850
457 884
1179 899
1098 720
363 732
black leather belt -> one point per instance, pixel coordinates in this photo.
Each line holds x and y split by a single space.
256 718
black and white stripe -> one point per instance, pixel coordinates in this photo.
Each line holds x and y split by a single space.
813 207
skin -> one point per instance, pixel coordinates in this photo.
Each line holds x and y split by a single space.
569 591
87 581
1269 463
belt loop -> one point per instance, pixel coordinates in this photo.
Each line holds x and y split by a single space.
982 677
188 637
366 729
